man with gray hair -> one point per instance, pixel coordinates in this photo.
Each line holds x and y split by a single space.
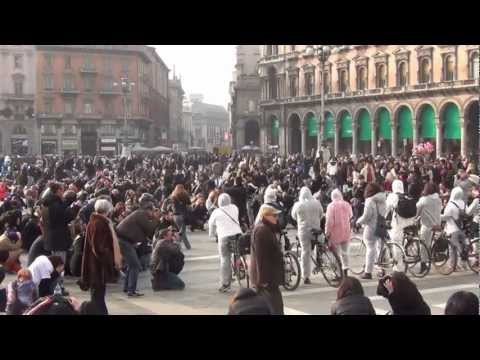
135 229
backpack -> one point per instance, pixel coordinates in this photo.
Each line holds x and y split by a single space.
462 217
407 206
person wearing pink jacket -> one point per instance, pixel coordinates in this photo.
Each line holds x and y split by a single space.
337 227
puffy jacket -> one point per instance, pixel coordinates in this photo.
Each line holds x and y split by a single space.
55 218
353 305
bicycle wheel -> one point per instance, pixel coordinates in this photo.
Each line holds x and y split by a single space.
331 267
392 258
356 255
417 258
440 256
473 255
243 269
293 273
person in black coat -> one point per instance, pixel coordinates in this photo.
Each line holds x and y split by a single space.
402 294
351 299
37 249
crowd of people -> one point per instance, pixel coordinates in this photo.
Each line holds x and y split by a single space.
101 220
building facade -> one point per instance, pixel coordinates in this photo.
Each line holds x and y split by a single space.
176 131
209 124
18 132
245 93
80 106
187 121
378 99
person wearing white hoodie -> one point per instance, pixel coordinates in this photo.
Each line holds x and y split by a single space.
398 223
451 213
225 225
307 212
429 210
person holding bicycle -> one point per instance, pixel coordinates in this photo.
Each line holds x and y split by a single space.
225 225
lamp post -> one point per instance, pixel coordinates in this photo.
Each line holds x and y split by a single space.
126 87
323 52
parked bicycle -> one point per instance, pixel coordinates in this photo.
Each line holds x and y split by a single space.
417 253
239 262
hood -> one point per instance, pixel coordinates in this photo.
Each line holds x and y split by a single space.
305 194
270 195
336 195
397 187
224 200
457 194
379 197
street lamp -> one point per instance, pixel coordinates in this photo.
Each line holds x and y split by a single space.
322 52
126 86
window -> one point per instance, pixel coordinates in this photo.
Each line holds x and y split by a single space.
68 62
18 87
48 106
449 68
381 76
107 65
68 82
272 83
309 85
108 84
48 61
87 107
292 48
68 107
268 50
108 107
69 129
293 86
88 83
110 129
88 62
473 64
18 61
326 83
274 50
343 81
425 69
19 110
125 66
402 74
48 82
48 129
19 130
361 78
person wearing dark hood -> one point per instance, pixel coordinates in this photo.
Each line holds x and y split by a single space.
266 260
351 299
247 301
402 294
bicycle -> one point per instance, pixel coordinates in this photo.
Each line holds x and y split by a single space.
293 273
388 256
238 262
417 253
325 260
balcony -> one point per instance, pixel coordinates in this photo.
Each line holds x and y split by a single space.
88 70
45 116
70 91
19 97
109 92
90 116
19 117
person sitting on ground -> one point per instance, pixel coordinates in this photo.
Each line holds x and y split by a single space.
462 303
402 294
247 301
21 293
46 273
11 240
167 262
351 299
198 216
37 249
61 305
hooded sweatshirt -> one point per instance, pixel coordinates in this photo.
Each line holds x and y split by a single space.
339 213
398 222
307 212
224 219
452 212
429 209
373 205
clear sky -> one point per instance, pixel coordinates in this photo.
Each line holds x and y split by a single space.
205 69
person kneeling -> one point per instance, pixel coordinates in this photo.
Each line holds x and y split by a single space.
167 263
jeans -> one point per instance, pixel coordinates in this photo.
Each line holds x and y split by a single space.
182 227
306 256
167 281
225 266
274 297
97 296
373 245
133 265
426 234
458 241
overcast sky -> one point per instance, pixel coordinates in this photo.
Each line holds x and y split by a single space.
205 69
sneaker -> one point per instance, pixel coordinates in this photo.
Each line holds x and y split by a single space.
307 281
135 294
224 288
366 276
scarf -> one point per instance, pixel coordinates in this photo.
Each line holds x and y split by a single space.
117 255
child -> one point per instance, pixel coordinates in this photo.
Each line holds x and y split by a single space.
21 293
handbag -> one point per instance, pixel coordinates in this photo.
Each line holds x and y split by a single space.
381 226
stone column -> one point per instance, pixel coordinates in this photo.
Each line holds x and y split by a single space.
262 139
394 139
281 140
463 136
374 140
439 137
336 139
415 134
240 134
303 130
354 138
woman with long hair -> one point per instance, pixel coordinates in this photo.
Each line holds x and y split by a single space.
181 202
351 299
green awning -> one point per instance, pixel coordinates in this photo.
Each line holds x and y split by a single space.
346 126
451 120
365 132
405 130
427 123
275 127
384 125
311 125
329 128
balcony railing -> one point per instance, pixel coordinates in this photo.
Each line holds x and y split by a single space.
70 91
10 96
88 70
111 92
50 115
94 116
